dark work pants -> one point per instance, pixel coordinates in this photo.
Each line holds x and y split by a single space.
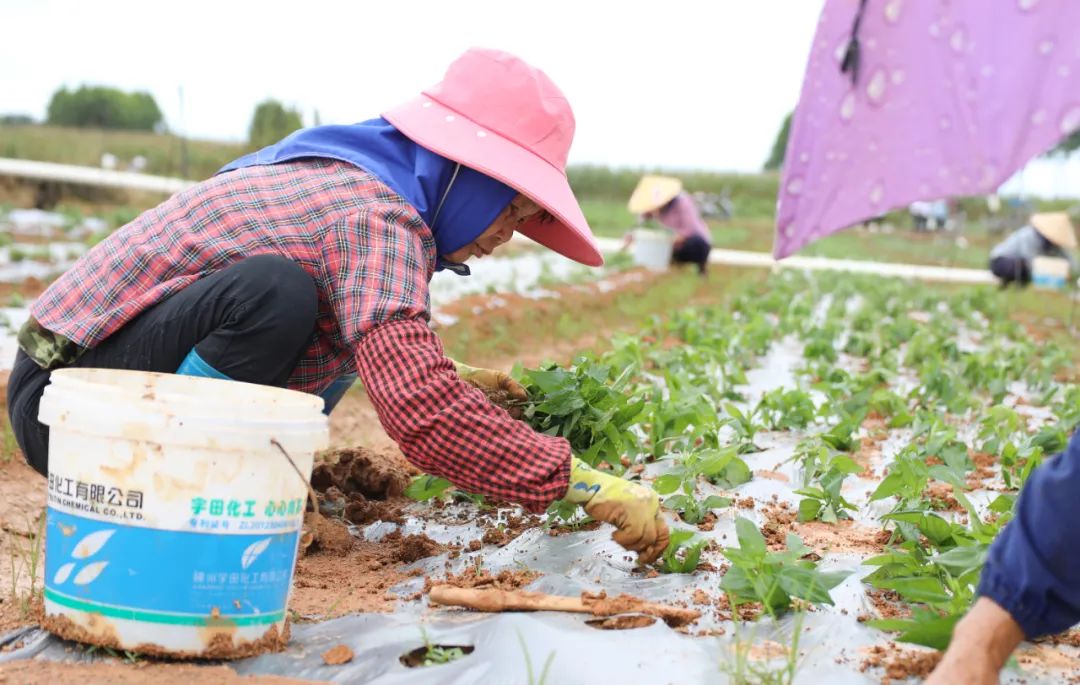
1011 269
693 250
251 321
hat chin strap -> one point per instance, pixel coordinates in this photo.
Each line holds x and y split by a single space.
442 201
459 269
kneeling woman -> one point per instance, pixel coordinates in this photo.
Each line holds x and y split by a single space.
308 262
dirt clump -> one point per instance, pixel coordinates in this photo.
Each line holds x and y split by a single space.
745 503
624 622
374 475
358 579
779 518
496 536
941 497
747 611
983 475
900 664
473 577
336 656
326 535
410 548
888 604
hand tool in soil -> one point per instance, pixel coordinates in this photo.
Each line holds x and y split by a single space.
494 600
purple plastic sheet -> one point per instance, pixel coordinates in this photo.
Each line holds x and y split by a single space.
951 98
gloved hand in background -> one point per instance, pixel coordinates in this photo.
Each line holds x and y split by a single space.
631 507
491 381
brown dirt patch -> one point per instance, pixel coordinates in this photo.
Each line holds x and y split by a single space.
376 475
745 503
410 548
1045 658
1069 637
14 614
22 508
888 604
473 577
843 536
625 622
941 498
983 475
898 663
772 475
331 583
326 535
335 656
40 672
748 611
779 517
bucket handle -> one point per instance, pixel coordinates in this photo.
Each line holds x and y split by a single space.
307 482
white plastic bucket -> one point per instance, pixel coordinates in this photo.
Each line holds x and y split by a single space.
173 519
652 249
1051 273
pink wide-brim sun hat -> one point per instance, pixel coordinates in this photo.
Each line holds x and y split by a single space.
496 114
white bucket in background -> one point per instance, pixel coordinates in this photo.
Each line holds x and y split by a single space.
652 249
173 520
1051 273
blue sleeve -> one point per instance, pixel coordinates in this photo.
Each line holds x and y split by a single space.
1033 568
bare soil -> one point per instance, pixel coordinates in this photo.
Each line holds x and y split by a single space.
900 663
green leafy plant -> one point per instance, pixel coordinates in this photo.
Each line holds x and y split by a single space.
824 502
683 552
773 578
782 409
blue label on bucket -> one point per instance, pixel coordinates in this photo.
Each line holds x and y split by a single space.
167 576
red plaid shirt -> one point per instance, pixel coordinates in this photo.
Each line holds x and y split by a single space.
371 257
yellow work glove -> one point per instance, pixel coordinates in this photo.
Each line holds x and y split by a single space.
631 507
490 381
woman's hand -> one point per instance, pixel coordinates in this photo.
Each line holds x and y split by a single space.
981 644
491 381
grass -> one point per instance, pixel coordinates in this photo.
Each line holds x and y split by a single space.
27 557
532 679
163 152
743 669
9 447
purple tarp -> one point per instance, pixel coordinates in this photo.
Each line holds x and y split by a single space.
952 97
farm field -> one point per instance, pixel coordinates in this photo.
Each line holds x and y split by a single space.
834 455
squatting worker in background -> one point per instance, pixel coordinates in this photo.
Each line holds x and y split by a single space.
662 198
309 261
1045 235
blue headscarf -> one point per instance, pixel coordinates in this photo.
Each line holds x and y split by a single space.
469 200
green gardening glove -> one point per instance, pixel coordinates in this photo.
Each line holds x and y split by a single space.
491 381
631 507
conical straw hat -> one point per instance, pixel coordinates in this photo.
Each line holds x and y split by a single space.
1055 227
653 192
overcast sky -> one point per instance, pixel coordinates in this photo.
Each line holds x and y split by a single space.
676 84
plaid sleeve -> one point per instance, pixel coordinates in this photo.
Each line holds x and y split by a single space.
376 264
448 428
